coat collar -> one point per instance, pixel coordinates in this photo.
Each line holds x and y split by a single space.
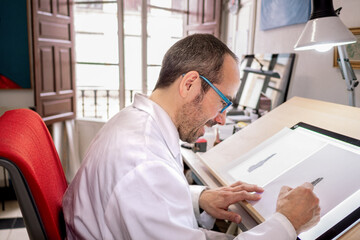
163 121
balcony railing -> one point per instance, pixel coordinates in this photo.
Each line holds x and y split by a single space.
100 103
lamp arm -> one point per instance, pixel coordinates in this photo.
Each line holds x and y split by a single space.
353 76
347 73
341 68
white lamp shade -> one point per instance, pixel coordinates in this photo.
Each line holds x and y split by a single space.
325 32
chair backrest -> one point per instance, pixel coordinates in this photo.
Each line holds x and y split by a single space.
28 153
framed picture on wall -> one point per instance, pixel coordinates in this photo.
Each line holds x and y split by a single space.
353 51
281 13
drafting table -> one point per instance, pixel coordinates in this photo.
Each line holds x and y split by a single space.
334 117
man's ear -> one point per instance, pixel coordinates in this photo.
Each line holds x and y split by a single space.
190 84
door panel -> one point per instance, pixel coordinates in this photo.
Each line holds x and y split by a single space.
46 78
195 12
44 6
63 7
203 17
53 51
210 12
65 69
54 30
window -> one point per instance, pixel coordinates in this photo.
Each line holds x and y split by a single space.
107 75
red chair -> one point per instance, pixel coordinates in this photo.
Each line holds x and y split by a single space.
29 155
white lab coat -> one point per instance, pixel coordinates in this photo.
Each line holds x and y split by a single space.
131 185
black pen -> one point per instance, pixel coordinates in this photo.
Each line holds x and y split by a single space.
316 181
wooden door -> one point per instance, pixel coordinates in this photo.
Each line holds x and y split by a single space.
53 59
203 17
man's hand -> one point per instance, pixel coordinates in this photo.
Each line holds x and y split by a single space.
216 201
300 206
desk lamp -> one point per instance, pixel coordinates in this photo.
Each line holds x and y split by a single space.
325 30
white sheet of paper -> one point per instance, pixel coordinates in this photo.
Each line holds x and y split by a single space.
290 147
338 167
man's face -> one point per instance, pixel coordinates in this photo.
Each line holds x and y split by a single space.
192 119
205 110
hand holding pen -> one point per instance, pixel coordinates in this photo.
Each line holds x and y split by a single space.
300 205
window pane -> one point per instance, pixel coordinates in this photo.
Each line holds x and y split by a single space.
152 76
132 49
100 76
97 90
104 48
96 34
132 23
97 72
96 42
161 39
133 63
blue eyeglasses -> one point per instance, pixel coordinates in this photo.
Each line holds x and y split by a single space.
226 100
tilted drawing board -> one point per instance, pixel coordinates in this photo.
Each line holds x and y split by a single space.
304 154
268 159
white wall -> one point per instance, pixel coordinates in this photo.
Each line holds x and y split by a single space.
314 75
13 98
86 130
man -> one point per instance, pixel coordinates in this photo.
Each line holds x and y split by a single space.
131 183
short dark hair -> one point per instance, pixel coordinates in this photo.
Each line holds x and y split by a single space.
203 53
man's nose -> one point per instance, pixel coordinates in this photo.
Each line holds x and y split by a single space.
220 118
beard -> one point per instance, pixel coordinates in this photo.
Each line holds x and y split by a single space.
191 120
